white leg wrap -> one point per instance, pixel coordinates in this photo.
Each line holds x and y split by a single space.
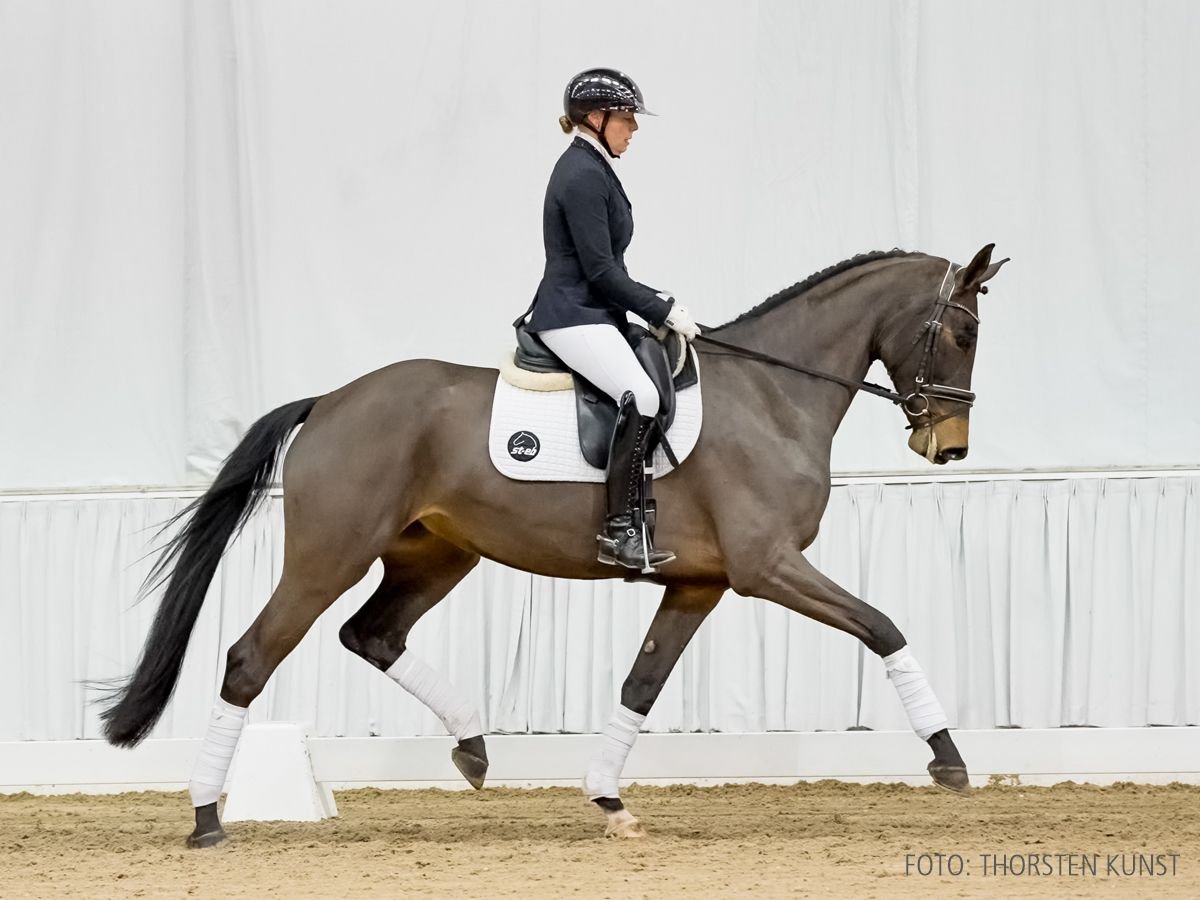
604 774
925 714
216 753
456 712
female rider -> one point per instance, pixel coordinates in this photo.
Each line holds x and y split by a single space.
580 306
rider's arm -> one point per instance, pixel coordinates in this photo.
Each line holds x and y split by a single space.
585 207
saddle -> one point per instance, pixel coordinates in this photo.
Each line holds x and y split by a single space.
671 368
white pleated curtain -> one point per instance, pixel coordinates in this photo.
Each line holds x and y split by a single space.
213 207
1018 597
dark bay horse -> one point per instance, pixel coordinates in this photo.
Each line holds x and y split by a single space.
395 467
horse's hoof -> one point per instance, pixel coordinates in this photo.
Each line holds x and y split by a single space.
952 778
622 824
472 767
207 839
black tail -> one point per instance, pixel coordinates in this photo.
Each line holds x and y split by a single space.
192 556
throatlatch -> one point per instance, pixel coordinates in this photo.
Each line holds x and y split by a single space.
628 537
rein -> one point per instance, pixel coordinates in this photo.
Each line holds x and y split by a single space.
922 391
747 353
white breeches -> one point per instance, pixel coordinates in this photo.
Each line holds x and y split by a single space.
601 355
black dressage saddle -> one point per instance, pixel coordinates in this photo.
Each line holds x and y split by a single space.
597 412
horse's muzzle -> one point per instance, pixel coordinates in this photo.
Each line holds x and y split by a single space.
941 442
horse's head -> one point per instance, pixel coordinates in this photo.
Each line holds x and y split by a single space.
929 353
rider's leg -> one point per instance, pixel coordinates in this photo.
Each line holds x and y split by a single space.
601 354
627 539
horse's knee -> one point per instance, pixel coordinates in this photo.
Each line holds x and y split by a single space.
882 638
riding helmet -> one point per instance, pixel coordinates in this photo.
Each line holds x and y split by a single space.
604 90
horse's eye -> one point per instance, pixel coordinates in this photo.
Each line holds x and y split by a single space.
965 338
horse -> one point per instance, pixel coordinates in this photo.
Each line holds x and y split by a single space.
394 466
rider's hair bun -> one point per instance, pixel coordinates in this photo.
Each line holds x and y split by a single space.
566 124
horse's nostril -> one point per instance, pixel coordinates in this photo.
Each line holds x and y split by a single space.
951 454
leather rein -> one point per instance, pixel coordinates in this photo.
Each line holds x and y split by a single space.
923 391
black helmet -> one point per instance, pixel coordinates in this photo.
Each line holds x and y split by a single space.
604 90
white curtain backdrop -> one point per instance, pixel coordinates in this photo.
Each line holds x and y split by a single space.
1018 597
209 208
212 207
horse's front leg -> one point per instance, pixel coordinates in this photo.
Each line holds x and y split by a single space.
791 581
682 610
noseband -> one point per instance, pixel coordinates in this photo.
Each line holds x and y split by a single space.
923 392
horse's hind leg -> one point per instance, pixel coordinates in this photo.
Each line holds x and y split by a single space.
312 580
791 581
419 571
682 610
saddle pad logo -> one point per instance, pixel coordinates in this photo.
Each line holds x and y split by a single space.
523 446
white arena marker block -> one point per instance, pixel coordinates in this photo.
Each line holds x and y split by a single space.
272 778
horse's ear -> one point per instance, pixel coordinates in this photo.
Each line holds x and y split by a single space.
989 272
979 270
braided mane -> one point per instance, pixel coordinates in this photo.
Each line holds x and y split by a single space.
816 278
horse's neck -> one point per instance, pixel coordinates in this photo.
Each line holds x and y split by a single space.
832 331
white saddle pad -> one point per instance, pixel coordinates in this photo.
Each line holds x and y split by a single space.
534 435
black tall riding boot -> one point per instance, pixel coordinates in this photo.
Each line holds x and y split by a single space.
627 539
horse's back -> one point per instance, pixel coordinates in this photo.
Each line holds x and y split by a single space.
402 390
373 433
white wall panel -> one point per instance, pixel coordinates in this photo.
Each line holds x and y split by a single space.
1030 603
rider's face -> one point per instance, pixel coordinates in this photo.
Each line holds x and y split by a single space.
619 131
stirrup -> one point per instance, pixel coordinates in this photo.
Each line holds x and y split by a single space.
612 548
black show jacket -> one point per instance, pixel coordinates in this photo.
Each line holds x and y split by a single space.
587 222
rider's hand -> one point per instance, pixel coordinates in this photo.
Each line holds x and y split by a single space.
680 320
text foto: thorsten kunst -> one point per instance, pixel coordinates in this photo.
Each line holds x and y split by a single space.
1035 865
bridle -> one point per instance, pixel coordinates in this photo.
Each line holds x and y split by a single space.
922 392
